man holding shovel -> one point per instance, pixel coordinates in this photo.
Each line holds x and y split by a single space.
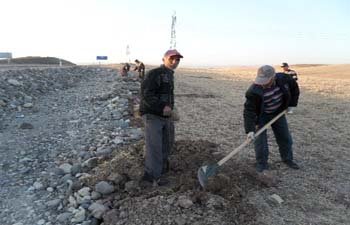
157 109
269 95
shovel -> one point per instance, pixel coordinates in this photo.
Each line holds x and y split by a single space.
207 171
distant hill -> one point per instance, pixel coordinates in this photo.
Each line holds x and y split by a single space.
309 65
37 60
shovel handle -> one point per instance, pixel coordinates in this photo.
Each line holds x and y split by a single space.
269 123
234 152
246 142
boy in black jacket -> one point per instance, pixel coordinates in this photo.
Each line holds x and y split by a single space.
269 95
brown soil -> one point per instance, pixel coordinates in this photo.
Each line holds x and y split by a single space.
211 125
232 182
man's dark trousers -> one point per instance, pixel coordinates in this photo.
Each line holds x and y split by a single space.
158 141
283 139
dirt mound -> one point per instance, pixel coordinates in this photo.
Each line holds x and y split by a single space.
221 202
38 60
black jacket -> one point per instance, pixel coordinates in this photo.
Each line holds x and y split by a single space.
157 91
291 73
254 107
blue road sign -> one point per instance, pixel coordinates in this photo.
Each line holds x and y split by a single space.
6 55
100 57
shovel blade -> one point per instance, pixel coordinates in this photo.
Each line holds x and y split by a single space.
205 172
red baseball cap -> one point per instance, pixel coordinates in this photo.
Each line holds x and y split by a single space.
172 52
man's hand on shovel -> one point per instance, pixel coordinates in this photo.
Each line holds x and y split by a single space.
251 135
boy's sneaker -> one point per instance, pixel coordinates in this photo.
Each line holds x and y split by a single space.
291 164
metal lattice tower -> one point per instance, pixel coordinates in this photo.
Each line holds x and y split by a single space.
173 33
128 52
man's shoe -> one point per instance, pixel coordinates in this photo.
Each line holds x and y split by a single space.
162 181
148 180
291 164
166 167
147 177
261 167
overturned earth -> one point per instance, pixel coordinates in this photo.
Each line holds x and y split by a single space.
183 200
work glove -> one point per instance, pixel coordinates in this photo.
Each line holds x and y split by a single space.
290 110
174 115
167 111
251 135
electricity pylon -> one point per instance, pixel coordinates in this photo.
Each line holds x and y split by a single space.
173 33
128 52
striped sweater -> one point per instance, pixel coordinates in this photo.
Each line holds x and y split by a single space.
272 99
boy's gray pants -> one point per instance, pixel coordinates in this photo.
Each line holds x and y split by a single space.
159 138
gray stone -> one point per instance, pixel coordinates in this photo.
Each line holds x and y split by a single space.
58 171
118 140
88 222
53 203
95 195
84 191
79 215
76 168
28 105
97 210
49 189
14 82
38 186
2 103
116 178
26 125
179 220
185 202
104 152
104 188
66 177
66 167
131 186
41 222
72 201
90 163
276 199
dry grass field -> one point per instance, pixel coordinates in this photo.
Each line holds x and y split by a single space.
210 104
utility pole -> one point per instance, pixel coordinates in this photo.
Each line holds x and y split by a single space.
173 33
128 52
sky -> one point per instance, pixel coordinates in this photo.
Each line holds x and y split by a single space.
208 32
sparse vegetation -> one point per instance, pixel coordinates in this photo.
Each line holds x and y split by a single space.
37 60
